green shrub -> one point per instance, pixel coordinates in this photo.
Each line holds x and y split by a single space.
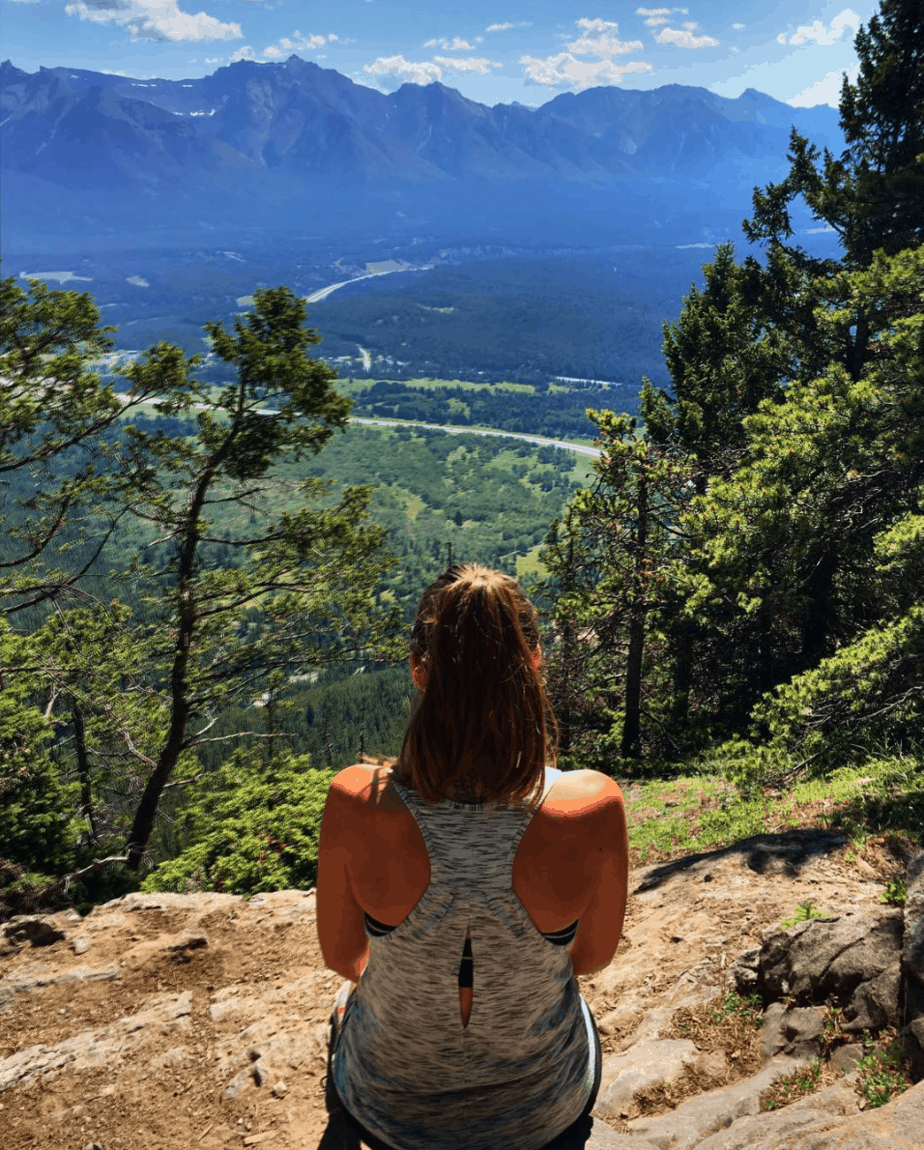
804 913
896 892
882 1071
255 828
39 821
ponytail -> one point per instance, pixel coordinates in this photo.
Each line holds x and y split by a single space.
483 724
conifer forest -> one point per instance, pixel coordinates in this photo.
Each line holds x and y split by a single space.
208 573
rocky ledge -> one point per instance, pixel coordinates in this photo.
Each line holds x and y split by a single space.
177 1021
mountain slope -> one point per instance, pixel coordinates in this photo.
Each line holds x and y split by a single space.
250 134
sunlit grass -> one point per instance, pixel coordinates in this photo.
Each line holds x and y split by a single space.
703 812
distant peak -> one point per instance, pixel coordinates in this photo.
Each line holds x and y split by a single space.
753 94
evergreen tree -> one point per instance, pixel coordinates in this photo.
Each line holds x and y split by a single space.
608 559
301 590
723 358
53 412
821 531
873 194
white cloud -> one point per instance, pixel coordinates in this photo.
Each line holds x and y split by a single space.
116 72
684 38
245 53
822 35
472 64
655 21
297 43
564 71
653 11
827 90
737 27
690 25
411 71
155 20
604 46
455 45
213 59
490 27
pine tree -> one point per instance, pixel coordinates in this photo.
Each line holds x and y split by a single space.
54 411
300 590
873 194
608 559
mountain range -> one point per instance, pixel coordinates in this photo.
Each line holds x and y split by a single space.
99 145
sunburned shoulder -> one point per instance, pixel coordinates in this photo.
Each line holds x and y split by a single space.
583 792
573 794
362 781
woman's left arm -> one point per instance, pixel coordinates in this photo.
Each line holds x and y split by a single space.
341 929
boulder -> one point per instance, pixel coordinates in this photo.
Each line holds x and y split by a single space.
853 958
802 1028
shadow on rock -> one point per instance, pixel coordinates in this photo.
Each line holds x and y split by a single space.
784 853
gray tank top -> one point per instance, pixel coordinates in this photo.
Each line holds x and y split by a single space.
522 1070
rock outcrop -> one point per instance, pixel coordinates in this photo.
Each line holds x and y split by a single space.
177 1021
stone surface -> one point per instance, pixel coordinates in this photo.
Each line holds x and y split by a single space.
692 1121
854 957
898 1126
165 1014
229 1041
646 1064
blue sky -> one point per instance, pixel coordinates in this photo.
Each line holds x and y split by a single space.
493 51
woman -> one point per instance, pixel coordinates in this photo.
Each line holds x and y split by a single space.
468 886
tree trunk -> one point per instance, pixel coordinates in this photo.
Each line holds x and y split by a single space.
632 722
819 611
682 677
83 773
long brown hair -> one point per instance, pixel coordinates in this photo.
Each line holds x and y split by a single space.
483 722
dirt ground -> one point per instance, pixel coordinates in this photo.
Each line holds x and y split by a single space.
163 1008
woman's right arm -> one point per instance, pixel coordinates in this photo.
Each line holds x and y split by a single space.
607 860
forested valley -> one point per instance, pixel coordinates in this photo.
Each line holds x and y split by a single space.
206 578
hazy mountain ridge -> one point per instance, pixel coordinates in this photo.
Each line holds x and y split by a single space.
311 120
292 146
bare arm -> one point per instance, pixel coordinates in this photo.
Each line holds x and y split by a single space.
600 925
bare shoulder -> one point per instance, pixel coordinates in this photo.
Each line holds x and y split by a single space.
365 784
586 796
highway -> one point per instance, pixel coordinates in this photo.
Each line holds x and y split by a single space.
538 440
577 448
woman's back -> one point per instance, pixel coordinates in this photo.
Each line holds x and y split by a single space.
470 919
567 867
409 1068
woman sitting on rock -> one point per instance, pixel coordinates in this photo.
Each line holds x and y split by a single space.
468 885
